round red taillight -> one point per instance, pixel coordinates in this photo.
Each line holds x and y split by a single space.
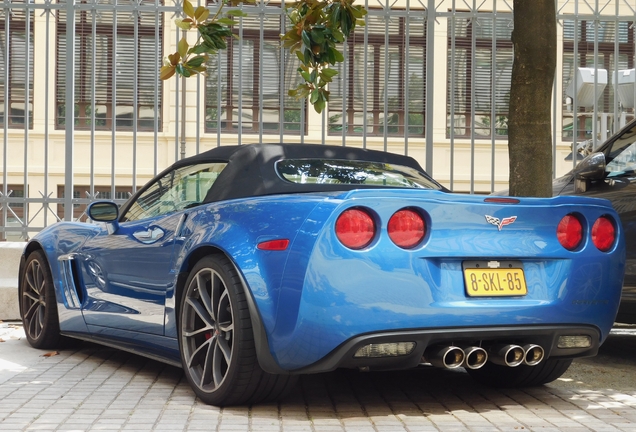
603 234
406 228
355 228
570 232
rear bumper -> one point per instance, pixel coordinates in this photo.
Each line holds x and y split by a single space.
545 336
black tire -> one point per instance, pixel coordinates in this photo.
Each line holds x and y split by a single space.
494 375
217 342
38 307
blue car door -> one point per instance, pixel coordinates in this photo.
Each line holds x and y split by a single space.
127 275
127 270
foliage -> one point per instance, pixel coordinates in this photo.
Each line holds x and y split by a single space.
318 26
213 34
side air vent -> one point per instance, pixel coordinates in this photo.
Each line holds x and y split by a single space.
72 295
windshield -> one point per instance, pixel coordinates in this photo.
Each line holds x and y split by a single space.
335 171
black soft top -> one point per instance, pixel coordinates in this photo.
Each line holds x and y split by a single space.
251 168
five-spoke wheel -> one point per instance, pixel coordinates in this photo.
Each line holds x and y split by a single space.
216 338
207 335
38 307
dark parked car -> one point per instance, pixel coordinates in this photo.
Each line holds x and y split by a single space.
610 173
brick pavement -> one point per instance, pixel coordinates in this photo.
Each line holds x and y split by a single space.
101 389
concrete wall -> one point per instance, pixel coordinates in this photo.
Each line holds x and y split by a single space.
9 262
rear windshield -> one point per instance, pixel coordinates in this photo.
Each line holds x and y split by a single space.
335 171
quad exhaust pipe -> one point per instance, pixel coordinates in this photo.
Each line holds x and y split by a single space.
474 357
451 357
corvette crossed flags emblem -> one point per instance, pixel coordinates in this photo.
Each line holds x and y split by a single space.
500 223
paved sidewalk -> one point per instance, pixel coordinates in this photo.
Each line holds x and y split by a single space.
101 389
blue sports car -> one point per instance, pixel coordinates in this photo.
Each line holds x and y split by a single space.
250 265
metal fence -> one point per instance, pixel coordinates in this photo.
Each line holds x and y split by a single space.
427 78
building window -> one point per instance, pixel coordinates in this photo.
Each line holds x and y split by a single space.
122 193
106 53
615 53
14 213
480 57
247 83
378 74
17 44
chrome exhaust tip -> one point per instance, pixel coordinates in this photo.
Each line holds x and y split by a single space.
474 357
533 354
507 355
449 357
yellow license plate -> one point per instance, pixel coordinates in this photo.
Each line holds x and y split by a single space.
487 282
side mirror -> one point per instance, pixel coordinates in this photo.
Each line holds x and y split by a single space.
590 168
104 211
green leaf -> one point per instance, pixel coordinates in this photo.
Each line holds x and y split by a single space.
182 47
328 72
337 35
306 76
306 39
201 48
237 12
319 106
227 21
317 35
338 55
196 61
183 25
188 9
334 15
315 95
300 56
357 11
201 13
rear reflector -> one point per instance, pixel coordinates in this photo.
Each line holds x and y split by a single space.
394 349
574 342
406 228
273 245
355 228
570 232
603 234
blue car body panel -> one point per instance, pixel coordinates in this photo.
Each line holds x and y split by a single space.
317 294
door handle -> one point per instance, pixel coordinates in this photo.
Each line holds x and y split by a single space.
149 236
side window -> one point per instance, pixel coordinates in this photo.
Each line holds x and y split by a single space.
622 157
179 189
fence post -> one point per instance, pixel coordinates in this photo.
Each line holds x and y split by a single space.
430 84
70 110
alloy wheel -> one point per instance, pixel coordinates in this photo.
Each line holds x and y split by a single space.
208 330
34 299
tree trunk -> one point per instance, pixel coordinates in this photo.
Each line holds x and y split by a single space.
529 121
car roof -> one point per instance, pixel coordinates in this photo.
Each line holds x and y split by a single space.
251 168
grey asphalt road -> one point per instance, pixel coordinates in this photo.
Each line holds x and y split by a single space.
101 389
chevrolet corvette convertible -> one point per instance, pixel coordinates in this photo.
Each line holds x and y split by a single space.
250 265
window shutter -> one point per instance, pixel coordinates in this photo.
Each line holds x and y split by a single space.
20 50
97 81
